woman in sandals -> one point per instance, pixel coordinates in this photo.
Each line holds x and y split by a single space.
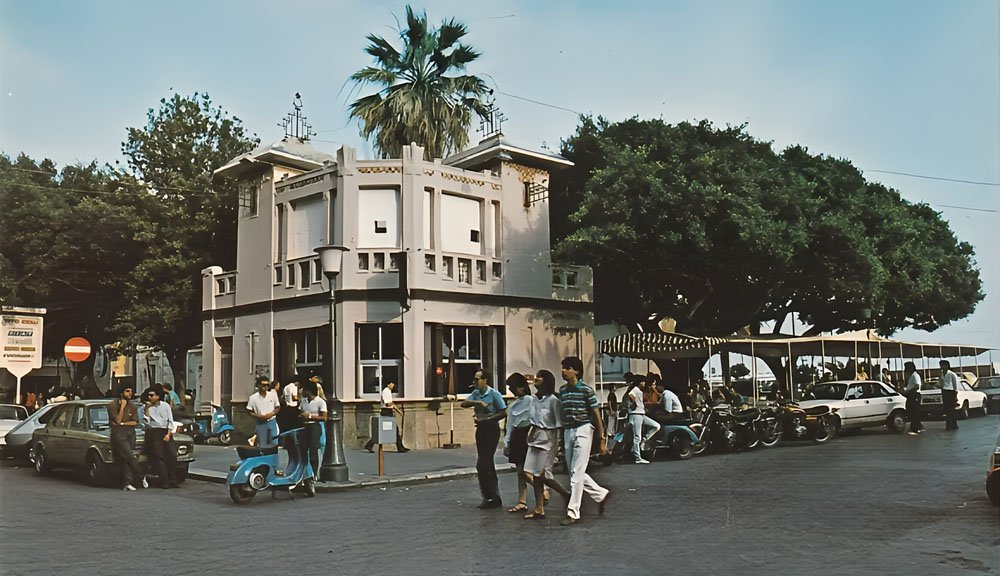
515 442
543 443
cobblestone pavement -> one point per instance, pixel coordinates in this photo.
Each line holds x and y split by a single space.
865 503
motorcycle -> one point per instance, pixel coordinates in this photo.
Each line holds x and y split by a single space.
676 438
818 423
202 427
258 469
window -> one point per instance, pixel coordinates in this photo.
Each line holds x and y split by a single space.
430 262
290 279
304 274
571 278
381 227
449 266
497 270
61 419
557 279
362 262
78 422
279 273
474 348
220 286
481 270
380 354
379 217
394 259
317 271
306 348
468 213
465 271
474 236
379 261
248 200
306 227
98 418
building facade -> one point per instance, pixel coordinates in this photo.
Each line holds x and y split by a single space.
448 270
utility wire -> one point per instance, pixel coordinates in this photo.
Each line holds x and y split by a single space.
540 103
936 178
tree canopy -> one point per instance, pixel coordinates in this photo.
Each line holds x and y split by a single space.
713 228
419 99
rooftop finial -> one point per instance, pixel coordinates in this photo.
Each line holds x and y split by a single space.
492 123
295 124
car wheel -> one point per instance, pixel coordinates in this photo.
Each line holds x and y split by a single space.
95 469
826 427
41 460
963 413
241 493
226 437
897 422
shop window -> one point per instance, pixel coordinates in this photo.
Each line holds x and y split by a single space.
380 356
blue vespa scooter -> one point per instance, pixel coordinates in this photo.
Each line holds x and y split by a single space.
202 427
258 469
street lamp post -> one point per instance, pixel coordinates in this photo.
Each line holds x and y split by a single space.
334 466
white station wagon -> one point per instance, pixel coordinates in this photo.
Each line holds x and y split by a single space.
860 403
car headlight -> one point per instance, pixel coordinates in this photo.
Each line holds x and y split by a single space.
182 450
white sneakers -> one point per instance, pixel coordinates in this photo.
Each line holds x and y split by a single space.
128 488
642 461
145 484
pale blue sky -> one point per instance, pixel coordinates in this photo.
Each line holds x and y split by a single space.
908 86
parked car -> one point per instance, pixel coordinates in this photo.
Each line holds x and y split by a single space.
77 436
969 400
10 416
993 475
860 403
17 441
990 385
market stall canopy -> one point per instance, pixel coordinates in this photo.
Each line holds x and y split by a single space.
860 343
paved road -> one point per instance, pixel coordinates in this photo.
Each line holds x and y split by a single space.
869 503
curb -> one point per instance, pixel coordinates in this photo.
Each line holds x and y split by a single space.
402 480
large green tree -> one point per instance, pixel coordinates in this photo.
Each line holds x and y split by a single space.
174 155
69 240
422 95
712 228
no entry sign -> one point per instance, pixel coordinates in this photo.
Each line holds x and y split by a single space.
77 349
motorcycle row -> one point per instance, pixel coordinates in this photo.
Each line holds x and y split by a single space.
724 428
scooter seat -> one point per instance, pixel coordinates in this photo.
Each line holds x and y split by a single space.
254 451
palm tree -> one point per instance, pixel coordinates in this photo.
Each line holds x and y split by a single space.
417 101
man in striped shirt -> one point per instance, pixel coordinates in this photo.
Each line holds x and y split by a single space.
580 416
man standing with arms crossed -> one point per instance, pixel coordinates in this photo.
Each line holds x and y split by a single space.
580 416
159 439
124 418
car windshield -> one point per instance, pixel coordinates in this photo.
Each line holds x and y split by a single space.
827 392
11 413
98 417
991 382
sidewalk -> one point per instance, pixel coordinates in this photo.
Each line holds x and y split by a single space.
414 467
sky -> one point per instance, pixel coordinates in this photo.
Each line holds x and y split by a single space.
908 86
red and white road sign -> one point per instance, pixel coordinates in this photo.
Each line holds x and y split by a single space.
77 349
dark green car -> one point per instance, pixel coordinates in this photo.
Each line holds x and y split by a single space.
77 436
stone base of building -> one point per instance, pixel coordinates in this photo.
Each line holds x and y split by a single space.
426 423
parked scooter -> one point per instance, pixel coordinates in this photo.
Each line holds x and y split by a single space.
258 469
202 427
818 423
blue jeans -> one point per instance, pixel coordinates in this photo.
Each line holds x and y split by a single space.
267 432
638 421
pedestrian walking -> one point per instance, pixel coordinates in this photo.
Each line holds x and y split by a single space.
638 419
160 446
912 393
312 412
263 406
515 442
388 407
489 408
123 417
580 418
949 395
543 443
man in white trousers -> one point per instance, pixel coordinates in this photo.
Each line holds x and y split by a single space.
581 418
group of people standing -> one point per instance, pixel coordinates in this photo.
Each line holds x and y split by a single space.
532 438
299 405
123 419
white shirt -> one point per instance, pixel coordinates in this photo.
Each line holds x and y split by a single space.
636 406
519 414
671 402
261 405
914 382
545 413
272 394
291 392
949 381
160 416
386 397
315 406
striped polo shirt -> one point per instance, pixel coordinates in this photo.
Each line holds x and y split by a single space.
577 402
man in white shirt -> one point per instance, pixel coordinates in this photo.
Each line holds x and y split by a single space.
312 411
912 393
290 413
637 418
159 441
264 407
949 395
672 407
389 408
